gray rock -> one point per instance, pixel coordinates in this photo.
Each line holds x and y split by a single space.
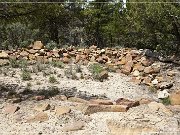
163 94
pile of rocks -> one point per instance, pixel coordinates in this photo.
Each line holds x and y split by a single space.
143 69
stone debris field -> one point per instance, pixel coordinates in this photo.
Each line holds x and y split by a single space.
88 91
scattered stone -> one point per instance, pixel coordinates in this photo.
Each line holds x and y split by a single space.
136 73
10 109
175 98
103 75
4 55
144 101
4 62
60 110
38 98
78 125
40 117
79 100
101 102
148 70
166 85
37 45
15 100
61 97
154 106
155 81
163 94
93 108
129 103
42 107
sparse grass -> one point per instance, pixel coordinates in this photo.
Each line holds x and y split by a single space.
70 73
153 89
57 64
78 68
166 101
52 79
38 83
29 85
96 69
18 63
26 75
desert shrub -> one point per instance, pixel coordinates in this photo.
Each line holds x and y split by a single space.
166 101
26 75
16 35
51 45
95 70
52 79
18 63
78 68
70 72
58 64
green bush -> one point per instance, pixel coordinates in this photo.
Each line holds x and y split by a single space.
96 69
16 35
58 64
52 79
26 75
166 101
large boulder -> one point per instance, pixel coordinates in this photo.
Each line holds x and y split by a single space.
37 45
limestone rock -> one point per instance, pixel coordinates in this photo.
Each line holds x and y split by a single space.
163 94
60 110
101 102
175 98
93 108
10 109
37 45
79 100
42 107
129 103
4 55
77 125
40 117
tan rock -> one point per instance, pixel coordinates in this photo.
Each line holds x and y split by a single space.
93 47
116 129
40 117
138 67
24 53
42 107
79 100
61 97
10 109
144 101
37 45
101 102
136 73
103 75
127 68
92 108
154 106
175 98
60 110
135 80
4 55
77 125
66 60
129 103
128 58
148 70
4 62
32 51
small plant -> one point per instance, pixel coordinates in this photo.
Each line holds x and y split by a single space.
58 64
153 89
70 73
18 63
28 85
52 79
166 101
38 83
26 75
96 69
78 68
13 63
